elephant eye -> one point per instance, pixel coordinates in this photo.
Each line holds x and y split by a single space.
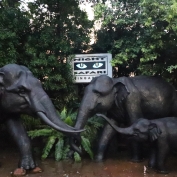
96 92
22 90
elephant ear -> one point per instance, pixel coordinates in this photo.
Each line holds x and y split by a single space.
121 89
1 82
154 132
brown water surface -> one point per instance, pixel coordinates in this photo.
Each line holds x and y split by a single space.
118 167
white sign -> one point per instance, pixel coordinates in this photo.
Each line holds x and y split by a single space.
87 66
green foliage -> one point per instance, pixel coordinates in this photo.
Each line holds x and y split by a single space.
30 122
48 146
141 35
59 143
41 132
52 139
58 149
14 30
86 145
42 38
59 31
77 157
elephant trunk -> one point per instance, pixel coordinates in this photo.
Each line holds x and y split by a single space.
125 131
85 111
81 120
45 109
82 117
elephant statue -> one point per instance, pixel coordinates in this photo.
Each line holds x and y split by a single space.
124 99
21 92
161 133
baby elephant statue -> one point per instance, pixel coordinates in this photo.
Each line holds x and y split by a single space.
161 133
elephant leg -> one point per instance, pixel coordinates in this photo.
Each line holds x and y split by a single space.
134 112
161 158
136 152
107 134
18 133
152 157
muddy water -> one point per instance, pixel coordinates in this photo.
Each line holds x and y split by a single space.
111 167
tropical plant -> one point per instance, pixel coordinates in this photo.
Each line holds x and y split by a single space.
59 143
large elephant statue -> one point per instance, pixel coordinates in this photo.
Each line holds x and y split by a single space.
21 92
125 99
161 134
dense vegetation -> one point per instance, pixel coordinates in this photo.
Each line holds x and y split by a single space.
42 38
140 34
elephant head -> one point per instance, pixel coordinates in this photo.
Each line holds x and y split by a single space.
21 92
99 96
140 130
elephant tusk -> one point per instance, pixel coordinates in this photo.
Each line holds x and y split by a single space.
50 123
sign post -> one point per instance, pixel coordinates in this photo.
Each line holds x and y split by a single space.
87 66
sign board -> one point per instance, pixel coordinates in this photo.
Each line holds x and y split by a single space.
87 66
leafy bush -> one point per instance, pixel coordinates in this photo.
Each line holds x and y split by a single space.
59 142
30 123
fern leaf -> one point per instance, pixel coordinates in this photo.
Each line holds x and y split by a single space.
66 151
48 146
77 157
40 132
96 122
59 149
73 116
87 147
63 114
68 121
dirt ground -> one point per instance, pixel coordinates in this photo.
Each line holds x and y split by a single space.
111 167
